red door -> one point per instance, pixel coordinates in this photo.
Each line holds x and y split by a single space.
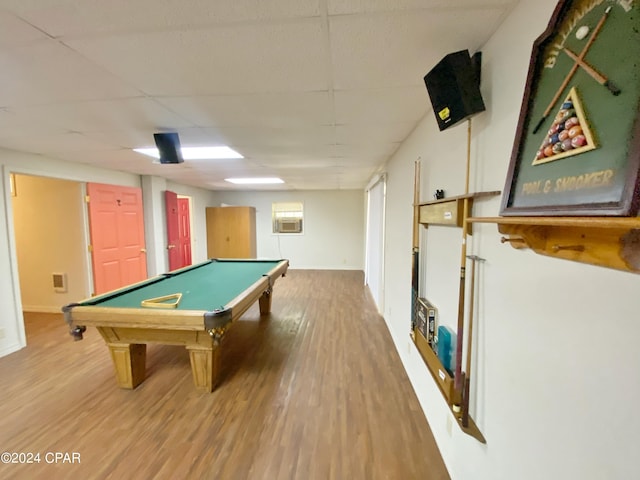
173 230
116 227
184 237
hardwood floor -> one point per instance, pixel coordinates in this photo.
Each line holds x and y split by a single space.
315 391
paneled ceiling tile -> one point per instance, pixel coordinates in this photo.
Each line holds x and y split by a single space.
63 17
245 59
48 72
381 106
300 173
307 163
163 170
356 172
289 154
242 171
220 184
351 164
277 137
356 176
398 50
254 75
127 139
355 185
14 31
16 122
341 7
218 164
249 142
54 144
268 110
373 150
114 159
104 116
307 175
359 134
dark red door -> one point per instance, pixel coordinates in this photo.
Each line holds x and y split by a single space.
184 236
116 227
173 230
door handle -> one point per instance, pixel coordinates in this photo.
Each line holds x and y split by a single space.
170 246
143 250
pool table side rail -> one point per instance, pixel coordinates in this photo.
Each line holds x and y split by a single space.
262 286
248 260
94 316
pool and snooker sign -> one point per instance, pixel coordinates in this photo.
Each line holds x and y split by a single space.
577 146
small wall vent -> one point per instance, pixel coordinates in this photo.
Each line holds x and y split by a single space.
60 282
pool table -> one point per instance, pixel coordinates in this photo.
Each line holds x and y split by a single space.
193 306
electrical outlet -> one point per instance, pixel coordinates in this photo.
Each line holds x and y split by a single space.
449 425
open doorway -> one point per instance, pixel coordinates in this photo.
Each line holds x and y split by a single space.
71 245
51 247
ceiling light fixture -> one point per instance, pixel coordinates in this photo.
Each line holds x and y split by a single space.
196 153
254 181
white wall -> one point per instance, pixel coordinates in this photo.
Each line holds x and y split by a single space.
12 335
333 227
558 363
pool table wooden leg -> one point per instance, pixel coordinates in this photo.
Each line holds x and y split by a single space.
265 302
205 366
129 360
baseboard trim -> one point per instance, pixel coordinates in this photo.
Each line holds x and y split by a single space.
10 349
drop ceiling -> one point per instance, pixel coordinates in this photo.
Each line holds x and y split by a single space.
317 92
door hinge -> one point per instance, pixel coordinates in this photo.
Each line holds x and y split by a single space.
90 248
86 198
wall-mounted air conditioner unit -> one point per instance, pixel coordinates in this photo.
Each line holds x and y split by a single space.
289 225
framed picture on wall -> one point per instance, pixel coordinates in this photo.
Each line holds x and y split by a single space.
577 144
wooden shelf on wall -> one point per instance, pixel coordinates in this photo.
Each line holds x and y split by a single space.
612 242
445 384
449 211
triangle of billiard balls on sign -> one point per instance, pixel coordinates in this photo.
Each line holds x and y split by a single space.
569 134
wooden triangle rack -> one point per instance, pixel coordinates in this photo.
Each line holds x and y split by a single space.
162 302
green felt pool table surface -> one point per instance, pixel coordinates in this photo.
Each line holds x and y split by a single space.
205 286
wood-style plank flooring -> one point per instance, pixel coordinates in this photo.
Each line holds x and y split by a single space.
314 391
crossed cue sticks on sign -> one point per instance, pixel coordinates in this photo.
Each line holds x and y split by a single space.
579 62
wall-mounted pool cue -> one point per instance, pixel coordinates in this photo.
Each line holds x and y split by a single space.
467 378
415 272
458 381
